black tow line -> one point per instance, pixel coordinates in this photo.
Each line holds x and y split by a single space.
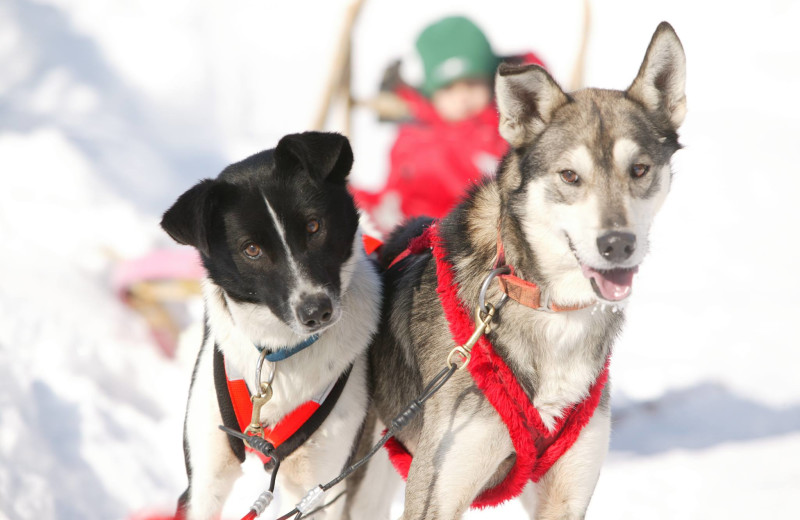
309 502
485 313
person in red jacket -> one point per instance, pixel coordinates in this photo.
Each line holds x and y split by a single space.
451 140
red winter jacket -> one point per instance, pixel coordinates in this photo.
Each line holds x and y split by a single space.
433 161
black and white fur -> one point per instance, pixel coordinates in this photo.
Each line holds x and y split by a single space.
573 202
279 236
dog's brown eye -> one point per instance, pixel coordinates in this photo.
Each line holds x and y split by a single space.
569 176
252 250
312 226
639 170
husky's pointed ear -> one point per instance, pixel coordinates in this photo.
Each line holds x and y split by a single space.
661 83
325 155
187 220
527 97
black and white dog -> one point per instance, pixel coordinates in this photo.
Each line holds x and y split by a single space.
279 236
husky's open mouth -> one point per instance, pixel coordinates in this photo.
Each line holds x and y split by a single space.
613 285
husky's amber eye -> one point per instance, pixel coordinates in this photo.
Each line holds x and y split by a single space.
569 176
639 170
312 226
252 250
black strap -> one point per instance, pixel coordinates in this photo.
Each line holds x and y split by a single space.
315 421
225 403
297 438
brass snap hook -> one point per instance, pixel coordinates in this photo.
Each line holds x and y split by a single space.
482 326
484 314
262 397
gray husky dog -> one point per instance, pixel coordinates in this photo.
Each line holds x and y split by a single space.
569 214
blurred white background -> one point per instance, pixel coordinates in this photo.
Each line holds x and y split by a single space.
110 110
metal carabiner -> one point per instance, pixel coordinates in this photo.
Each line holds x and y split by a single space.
482 326
484 314
261 398
261 358
485 286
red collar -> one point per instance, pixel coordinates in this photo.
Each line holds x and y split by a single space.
536 447
526 293
522 291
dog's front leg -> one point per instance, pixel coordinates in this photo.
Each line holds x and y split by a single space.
211 465
458 453
565 490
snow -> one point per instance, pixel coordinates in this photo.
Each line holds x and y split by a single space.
109 110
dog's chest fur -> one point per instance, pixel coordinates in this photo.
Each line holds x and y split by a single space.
556 357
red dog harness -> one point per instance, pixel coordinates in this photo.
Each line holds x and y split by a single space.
286 427
536 447
290 432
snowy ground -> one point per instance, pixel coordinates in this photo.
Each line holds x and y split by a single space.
108 110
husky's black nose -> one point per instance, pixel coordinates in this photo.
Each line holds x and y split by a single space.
315 311
616 246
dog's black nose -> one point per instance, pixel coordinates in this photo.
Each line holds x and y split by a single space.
315 311
616 246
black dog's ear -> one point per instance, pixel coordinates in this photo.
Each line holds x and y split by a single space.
326 156
187 220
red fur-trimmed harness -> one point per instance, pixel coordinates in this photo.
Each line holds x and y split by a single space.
536 447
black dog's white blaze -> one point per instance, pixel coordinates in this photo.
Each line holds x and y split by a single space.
313 305
266 202
282 234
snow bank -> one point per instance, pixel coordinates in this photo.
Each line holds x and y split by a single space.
87 412
108 110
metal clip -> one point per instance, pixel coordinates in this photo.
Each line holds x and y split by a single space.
484 307
461 351
255 428
483 320
262 398
484 314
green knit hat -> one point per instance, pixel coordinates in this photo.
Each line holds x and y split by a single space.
451 49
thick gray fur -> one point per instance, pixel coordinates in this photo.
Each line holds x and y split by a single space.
459 443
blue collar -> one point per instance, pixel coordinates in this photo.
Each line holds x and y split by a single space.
283 353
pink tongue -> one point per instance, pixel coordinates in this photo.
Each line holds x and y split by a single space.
614 285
